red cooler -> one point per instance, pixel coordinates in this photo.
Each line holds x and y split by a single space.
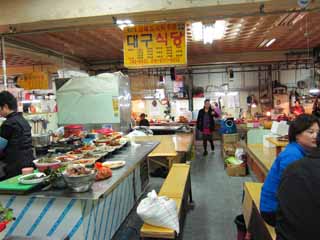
75 130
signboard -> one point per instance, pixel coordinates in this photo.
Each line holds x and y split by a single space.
155 45
34 80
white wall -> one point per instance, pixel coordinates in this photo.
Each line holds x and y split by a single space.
244 82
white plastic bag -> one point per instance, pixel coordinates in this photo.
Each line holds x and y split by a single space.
239 154
159 211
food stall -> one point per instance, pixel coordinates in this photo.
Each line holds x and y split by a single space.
96 214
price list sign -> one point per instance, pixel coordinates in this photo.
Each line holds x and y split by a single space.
155 45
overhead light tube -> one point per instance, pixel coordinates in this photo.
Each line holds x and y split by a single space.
270 42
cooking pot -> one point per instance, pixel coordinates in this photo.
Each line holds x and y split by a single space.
41 140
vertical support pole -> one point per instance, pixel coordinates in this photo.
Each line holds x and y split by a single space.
4 67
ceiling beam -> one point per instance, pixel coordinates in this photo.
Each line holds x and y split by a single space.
64 16
23 48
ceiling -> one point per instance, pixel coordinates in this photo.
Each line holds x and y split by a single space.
14 60
291 31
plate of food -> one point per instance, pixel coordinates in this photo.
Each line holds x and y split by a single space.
87 148
114 164
92 154
76 152
85 162
67 158
47 162
33 178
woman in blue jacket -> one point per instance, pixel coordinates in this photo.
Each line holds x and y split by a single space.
302 138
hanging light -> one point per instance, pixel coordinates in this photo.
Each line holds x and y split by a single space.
208 34
124 23
197 31
219 29
270 42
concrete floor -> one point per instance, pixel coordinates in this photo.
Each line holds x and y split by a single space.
217 200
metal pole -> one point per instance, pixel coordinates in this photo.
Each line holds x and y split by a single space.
4 67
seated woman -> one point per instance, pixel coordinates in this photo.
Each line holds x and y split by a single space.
143 121
302 138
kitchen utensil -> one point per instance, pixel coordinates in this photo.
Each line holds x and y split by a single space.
41 140
80 183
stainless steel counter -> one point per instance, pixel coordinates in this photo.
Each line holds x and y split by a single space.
132 154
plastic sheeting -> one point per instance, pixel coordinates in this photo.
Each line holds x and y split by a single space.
94 100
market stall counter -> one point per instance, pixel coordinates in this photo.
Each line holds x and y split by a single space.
172 148
279 144
96 214
260 159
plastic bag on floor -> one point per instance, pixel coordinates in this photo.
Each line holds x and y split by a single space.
240 153
159 211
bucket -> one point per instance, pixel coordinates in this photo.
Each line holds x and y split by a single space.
74 130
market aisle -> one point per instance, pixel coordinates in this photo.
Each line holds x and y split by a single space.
217 201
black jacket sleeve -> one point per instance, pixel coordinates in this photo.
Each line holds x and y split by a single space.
6 131
199 119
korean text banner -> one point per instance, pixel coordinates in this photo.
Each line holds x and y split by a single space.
155 45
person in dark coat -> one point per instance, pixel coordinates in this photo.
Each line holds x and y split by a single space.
205 124
299 200
143 121
17 131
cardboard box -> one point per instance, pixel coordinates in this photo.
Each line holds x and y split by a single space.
230 138
236 170
229 150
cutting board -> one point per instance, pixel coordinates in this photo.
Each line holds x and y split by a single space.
13 186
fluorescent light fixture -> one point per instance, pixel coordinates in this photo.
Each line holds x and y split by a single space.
219 94
219 29
208 34
149 97
197 31
124 23
314 90
31 101
232 93
270 42
263 43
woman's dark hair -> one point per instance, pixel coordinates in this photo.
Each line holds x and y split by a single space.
9 99
300 124
207 100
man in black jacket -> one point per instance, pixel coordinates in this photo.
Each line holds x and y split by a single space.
299 200
18 152
205 124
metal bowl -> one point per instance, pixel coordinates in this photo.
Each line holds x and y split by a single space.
80 183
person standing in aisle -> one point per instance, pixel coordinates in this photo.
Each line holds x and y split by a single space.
16 130
217 110
205 124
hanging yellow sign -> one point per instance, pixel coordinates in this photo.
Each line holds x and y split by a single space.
34 80
155 45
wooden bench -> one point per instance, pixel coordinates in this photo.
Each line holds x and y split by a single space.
260 159
176 186
251 212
